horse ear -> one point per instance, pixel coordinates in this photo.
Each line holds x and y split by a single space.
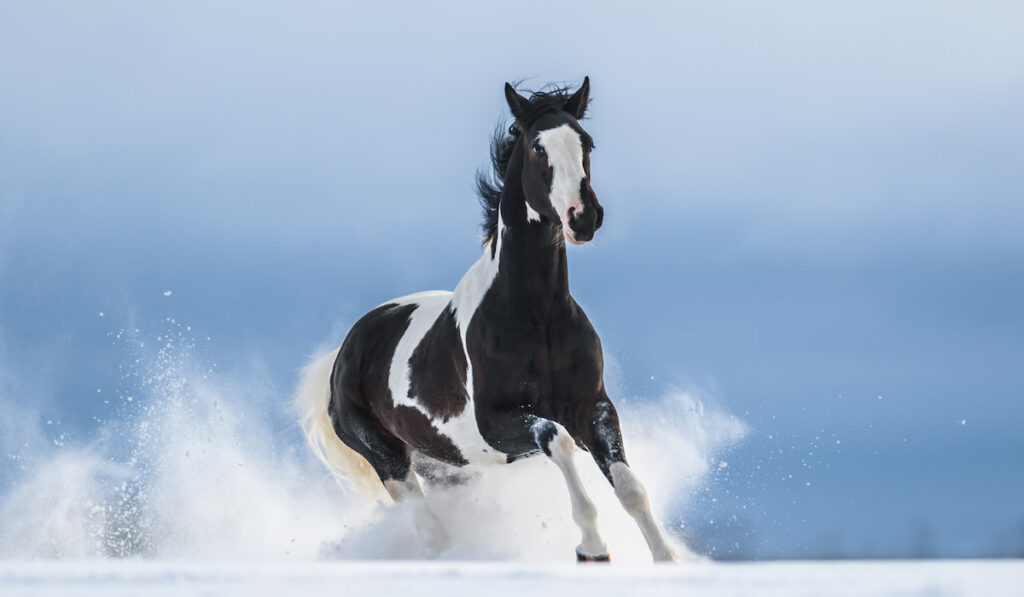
577 104
516 102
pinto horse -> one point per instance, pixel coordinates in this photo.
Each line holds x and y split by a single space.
506 366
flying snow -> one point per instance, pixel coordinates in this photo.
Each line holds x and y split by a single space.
195 462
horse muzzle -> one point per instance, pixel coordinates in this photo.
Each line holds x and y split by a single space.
584 221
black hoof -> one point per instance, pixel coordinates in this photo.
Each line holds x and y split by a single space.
602 558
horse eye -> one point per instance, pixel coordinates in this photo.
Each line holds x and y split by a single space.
539 148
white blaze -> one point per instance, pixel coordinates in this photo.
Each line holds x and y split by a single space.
565 155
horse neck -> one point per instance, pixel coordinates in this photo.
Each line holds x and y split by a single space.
533 273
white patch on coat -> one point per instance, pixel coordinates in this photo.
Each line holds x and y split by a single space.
634 500
465 434
469 293
429 306
426 295
475 283
565 156
531 214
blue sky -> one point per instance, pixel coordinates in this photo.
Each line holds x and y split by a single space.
814 216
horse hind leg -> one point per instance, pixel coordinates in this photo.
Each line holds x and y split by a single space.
403 489
386 454
390 459
560 447
438 474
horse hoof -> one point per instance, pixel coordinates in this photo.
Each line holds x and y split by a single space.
581 558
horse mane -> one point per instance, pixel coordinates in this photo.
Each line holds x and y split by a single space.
489 185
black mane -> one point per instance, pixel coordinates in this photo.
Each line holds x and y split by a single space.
489 184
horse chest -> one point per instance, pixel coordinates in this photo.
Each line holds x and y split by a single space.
543 368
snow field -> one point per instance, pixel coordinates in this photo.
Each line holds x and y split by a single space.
114 578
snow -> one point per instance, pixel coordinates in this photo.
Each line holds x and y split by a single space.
114 578
191 462
190 490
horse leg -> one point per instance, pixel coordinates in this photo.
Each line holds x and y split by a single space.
390 458
403 489
387 454
559 446
437 474
605 444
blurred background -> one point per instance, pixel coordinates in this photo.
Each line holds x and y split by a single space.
814 221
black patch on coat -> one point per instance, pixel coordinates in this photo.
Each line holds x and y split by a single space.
437 369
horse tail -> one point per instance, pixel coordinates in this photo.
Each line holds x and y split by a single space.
348 467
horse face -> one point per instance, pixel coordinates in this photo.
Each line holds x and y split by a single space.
556 169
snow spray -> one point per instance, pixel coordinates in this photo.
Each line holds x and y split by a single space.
200 463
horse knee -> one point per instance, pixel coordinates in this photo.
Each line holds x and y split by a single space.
554 441
563 446
628 489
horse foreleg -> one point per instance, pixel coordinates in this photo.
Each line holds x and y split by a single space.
605 444
559 446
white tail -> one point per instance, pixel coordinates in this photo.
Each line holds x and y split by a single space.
350 470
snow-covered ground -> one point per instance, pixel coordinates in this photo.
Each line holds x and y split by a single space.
114 578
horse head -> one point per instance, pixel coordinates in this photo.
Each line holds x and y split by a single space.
555 157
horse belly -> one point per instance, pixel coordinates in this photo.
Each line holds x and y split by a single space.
465 435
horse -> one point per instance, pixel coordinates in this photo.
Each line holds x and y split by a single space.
505 367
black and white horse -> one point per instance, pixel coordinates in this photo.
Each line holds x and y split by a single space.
504 367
